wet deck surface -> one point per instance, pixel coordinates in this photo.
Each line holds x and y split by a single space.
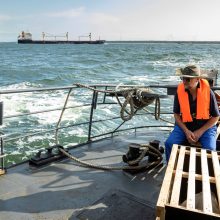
63 190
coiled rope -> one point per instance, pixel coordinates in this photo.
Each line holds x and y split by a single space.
129 94
146 149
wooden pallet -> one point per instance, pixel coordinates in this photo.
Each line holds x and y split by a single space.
2 172
192 176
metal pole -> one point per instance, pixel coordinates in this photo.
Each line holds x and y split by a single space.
104 95
1 113
1 139
2 153
91 114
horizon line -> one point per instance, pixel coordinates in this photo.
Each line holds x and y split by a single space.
148 41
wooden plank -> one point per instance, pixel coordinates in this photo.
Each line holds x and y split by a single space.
207 202
166 185
216 168
190 203
199 154
199 177
178 178
181 213
165 188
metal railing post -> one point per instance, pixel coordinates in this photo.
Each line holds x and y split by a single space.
93 106
2 169
1 113
105 95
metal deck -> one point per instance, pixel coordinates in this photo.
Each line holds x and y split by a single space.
63 190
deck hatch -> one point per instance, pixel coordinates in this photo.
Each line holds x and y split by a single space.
116 204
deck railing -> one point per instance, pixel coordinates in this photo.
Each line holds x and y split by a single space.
91 100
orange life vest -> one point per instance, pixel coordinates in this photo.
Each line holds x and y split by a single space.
203 101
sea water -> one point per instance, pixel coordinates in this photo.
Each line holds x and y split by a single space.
24 66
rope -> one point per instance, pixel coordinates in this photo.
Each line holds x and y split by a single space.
103 167
67 98
146 148
128 100
129 95
140 97
160 118
103 91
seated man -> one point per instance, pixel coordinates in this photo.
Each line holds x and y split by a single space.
195 111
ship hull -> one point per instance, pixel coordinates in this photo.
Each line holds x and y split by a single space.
59 42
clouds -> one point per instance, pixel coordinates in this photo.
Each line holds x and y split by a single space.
102 18
84 14
70 13
80 20
115 20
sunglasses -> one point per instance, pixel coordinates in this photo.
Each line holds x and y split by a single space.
186 79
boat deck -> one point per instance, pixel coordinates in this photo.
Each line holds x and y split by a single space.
64 190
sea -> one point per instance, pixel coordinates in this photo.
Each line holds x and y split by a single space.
25 66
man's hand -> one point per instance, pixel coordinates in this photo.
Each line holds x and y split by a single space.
190 136
198 133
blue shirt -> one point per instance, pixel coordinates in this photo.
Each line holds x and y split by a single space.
197 123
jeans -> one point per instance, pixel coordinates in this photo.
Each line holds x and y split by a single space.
177 136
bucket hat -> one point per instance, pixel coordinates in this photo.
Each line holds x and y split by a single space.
189 71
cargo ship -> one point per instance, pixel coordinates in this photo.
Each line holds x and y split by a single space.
26 38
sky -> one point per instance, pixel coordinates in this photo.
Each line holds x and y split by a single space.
111 19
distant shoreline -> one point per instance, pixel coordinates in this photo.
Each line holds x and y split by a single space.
166 41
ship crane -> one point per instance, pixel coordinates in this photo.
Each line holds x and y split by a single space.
89 36
47 35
